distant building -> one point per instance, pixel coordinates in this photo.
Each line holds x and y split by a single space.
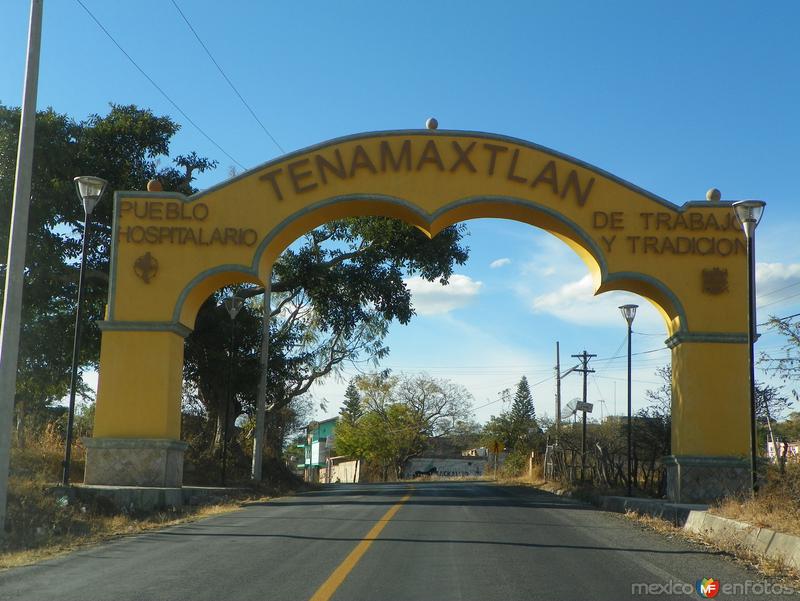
479 452
318 446
774 452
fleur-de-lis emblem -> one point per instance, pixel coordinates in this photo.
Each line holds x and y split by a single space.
146 267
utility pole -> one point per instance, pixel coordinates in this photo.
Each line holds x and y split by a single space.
558 391
261 398
559 375
17 241
584 357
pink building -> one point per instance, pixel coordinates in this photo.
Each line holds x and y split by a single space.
775 451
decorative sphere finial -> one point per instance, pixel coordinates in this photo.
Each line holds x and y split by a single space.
432 123
713 195
154 186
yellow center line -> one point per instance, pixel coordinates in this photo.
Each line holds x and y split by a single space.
334 581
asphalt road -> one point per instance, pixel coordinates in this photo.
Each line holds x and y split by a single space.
443 541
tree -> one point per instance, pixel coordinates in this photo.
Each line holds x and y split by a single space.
334 294
336 290
435 405
207 357
786 363
523 414
400 414
125 147
789 429
771 403
661 398
517 428
351 408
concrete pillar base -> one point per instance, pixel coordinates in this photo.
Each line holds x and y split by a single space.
697 479
134 461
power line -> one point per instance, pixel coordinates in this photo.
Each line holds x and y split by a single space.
625 379
156 86
225 76
780 300
773 291
498 400
769 323
655 350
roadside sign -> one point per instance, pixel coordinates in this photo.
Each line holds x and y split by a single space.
581 406
497 447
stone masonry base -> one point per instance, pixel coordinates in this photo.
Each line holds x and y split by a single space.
134 461
692 479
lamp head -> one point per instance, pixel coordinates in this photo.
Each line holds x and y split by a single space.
629 312
90 189
234 304
749 213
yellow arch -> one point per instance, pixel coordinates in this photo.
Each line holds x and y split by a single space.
689 260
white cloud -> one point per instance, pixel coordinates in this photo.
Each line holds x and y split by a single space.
431 298
575 302
777 283
500 262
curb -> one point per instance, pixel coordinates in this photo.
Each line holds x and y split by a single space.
676 513
784 548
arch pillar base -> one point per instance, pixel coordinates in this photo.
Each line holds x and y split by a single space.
699 479
134 461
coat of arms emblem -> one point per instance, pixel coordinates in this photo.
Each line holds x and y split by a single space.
715 280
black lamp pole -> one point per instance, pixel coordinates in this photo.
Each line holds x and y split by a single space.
90 189
629 312
749 213
751 339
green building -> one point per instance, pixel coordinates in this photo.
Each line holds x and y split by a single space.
318 447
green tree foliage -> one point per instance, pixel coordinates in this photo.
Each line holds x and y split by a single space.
335 291
124 147
788 429
351 408
517 429
400 414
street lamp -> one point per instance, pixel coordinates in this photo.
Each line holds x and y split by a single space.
233 304
89 189
629 312
749 213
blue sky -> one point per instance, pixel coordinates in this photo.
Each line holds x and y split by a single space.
674 97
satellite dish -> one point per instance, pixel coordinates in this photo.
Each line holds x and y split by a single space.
570 409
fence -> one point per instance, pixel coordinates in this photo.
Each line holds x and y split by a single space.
603 469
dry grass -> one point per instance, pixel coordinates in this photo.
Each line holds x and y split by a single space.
104 528
41 525
764 565
776 506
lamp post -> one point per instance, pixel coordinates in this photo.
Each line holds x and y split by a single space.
749 213
629 312
89 189
233 304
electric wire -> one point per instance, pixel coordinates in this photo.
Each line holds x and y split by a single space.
780 300
500 399
225 76
771 324
156 86
774 290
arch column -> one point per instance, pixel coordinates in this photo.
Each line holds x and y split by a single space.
137 429
710 417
